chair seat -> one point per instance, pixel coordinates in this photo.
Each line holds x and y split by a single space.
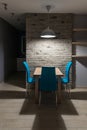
31 80
64 80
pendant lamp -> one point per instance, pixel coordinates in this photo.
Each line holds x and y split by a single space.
48 33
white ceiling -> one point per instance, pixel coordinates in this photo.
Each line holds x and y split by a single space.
19 9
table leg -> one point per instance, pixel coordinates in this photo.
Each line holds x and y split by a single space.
59 89
36 90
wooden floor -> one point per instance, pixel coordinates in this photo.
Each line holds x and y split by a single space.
20 113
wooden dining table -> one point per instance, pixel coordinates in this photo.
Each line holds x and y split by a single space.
36 75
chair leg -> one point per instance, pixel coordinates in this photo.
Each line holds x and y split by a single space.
26 94
27 90
67 89
40 98
69 94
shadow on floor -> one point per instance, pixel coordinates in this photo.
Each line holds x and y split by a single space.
79 95
48 116
65 108
12 94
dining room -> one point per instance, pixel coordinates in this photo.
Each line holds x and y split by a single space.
19 111
48 51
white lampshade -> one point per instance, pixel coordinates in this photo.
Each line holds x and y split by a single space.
48 33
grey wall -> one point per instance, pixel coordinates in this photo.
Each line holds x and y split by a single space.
8 44
80 64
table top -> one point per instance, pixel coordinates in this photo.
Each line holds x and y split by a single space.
37 71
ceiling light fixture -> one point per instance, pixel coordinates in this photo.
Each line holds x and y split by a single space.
48 33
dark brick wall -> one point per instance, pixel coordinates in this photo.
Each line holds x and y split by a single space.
60 23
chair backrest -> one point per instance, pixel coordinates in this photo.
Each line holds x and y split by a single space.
67 70
27 68
48 79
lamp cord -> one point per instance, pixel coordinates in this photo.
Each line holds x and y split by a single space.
48 9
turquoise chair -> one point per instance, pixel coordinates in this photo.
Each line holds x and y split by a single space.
47 81
29 79
66 79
